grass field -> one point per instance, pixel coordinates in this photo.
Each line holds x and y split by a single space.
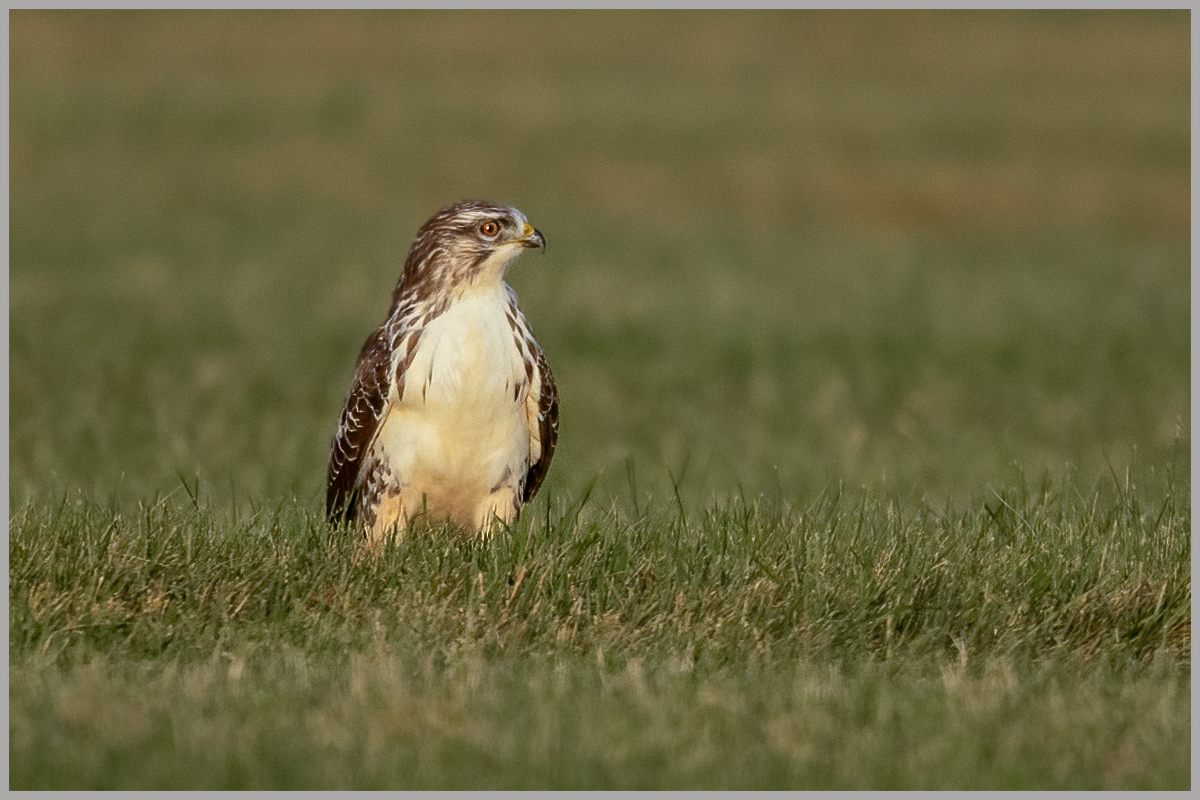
872 334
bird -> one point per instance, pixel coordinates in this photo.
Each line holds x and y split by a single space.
453 410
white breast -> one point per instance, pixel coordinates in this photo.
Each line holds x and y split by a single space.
467 357
459 431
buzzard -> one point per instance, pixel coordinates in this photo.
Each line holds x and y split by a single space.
453 413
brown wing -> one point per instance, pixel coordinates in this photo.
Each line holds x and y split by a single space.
360 419
545 418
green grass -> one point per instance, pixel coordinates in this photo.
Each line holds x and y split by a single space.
872 337
753 647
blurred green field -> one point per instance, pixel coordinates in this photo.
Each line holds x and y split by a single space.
785 248
930 256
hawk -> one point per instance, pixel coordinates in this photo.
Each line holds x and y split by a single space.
453 412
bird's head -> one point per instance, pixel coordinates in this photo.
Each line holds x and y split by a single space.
465 243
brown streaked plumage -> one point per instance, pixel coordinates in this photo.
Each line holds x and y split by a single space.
453 412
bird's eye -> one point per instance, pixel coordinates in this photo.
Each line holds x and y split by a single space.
489 229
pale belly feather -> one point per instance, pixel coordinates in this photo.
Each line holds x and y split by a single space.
458 439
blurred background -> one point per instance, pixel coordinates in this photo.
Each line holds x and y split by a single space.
913 251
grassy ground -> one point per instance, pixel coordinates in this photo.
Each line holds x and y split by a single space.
1042 641
872 336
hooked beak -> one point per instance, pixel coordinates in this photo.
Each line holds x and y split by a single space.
532 237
